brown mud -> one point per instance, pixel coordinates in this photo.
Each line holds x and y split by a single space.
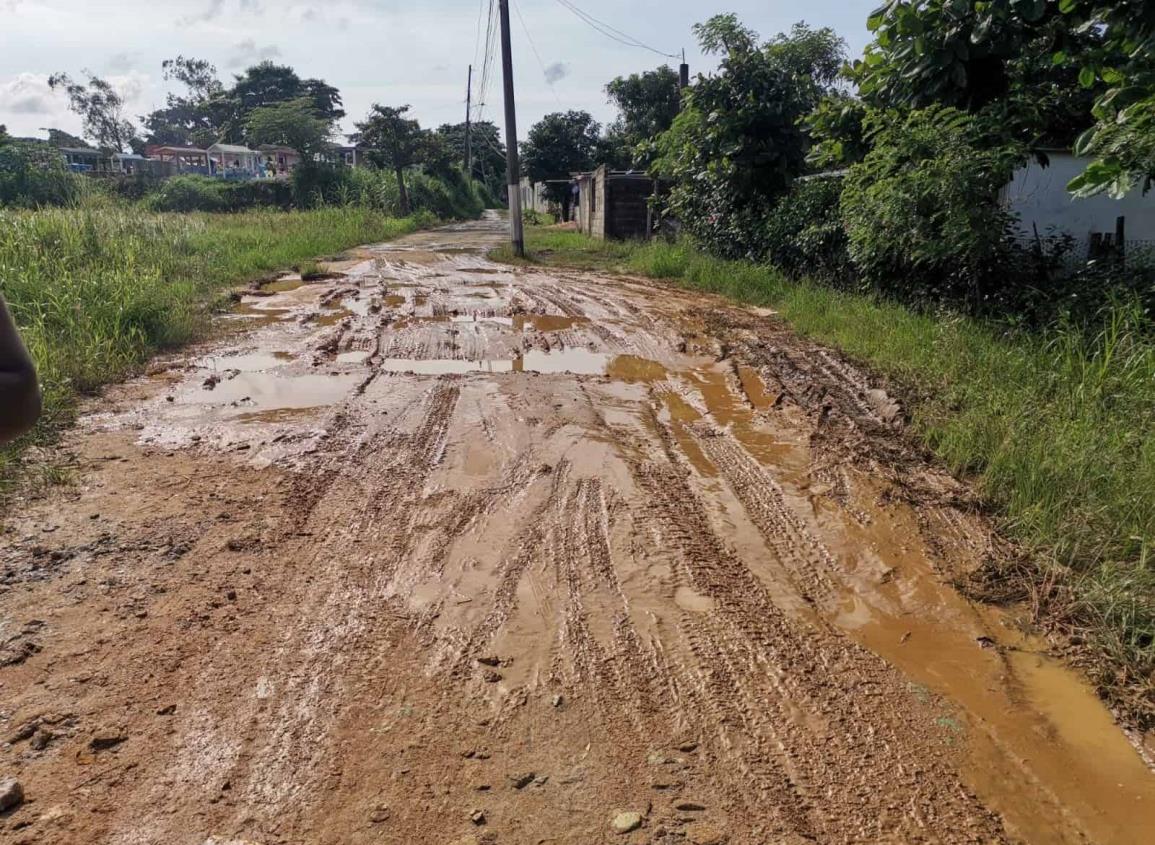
439 551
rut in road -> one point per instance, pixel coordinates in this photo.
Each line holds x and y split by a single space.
441 551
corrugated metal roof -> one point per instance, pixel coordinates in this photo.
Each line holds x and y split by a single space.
231 148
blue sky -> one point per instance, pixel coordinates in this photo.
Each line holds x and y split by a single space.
373 50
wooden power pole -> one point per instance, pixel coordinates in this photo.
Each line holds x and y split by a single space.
516 234
468 127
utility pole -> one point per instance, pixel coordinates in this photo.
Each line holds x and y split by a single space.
516 235
468 128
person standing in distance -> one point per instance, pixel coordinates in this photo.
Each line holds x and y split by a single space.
19 389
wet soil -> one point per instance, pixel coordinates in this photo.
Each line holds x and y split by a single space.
441 551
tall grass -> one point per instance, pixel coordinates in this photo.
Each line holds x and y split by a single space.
96 290
1056 428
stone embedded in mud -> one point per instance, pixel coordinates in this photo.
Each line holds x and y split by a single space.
105 740
626 822
477 817
11 794
522 779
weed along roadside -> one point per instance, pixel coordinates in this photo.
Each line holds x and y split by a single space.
96 291
1054 427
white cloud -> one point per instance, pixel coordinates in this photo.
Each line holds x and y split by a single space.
248 53
122 62
28 93
556 72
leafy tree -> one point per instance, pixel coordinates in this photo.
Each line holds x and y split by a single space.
922 210
488 151
195 118
557 146
395 141
647 104
1019 62
294 123
267 84
738 142
101 110
837 132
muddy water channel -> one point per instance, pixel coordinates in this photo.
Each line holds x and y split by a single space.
544 549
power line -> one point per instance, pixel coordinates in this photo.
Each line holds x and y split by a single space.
490 55
537 55
612 33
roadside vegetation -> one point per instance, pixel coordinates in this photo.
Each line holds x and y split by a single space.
97 290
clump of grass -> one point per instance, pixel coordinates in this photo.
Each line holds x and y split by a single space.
96 290
1056 428
310 271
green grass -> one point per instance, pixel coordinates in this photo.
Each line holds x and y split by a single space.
97 290
1057 430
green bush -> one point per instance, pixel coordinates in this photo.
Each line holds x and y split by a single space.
33 174
805 234
189 193
922 209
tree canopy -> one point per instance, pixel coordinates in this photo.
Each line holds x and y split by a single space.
739 139
395 141
647 104
558 145
1042 69
293 123
101 110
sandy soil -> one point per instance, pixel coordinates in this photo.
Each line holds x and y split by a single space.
437 551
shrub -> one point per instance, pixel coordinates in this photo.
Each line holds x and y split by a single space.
190 193
922 210
805 234
32 174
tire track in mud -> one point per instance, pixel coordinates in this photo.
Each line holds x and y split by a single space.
763 673
305 677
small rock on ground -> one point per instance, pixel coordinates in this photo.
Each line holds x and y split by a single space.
626 822
11 794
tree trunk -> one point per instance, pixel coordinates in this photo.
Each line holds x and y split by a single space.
404 194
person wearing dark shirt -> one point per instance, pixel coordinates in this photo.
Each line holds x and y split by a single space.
19 389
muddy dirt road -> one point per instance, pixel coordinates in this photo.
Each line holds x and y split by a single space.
439 552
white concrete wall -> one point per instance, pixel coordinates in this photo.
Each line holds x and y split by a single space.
1039 196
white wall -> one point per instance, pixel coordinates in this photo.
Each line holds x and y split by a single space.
1039 195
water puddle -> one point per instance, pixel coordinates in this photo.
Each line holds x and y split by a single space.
555 362
358 356
634 369
269 391
245 362
253 311
284 284
547 322
1032 727
333 315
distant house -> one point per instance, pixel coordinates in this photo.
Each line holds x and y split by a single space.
86 160
1038 196
283 159
353 156
183 159
615 204
233 159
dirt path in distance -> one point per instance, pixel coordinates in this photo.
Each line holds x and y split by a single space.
442 552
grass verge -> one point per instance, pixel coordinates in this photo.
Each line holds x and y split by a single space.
1056 429
95 291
